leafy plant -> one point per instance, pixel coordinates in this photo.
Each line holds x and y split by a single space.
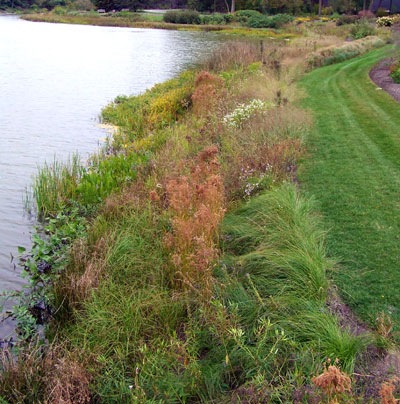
395 74
182 17
263 21
361 29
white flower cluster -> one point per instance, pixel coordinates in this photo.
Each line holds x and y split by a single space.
243 112
252 186
387 21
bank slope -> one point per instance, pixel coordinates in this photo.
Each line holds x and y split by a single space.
354 172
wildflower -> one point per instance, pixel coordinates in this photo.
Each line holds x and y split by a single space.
243 113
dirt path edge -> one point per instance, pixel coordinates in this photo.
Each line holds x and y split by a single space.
380 75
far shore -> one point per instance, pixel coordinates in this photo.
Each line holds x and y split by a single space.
124 22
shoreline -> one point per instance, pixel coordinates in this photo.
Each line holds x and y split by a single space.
133 238
107 21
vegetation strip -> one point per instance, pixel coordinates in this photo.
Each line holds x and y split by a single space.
182 264
354 173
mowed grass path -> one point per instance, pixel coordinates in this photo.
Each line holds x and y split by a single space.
353 170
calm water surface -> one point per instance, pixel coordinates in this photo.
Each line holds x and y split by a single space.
54 80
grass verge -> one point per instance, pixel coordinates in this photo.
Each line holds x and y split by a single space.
354 174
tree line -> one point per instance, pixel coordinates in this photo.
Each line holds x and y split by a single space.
264 6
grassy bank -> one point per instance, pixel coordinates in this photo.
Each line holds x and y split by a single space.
354 173
198 272
140 22
108 21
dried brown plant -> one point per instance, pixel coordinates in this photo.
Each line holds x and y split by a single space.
44 376
333 382
386 391
196 205
81 277
68 382
207 92
235 54
384 325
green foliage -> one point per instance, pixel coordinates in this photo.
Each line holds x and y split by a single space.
244 15
381 12
157 108
109 5
267 315
61 184
182 17
42 266
59 10
350 50
395 74
361 29
347 19
216 19
263 21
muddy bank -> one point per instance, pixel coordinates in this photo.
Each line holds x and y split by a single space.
380 75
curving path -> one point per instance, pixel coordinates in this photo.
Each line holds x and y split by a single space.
354 173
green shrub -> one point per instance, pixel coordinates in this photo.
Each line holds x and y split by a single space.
213 19
327 10
347 19
244 15
59 10
381 12
263 21
395 73
328 56
182 17
361 29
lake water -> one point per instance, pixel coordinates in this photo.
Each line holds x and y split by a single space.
54 80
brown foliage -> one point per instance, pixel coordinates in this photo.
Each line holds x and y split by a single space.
332 382
386 391
236 54
47 377
384 325
81 276
68 382
207 92
196 205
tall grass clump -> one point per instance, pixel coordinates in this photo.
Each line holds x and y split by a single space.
56 182
234 55
276 242
182 17
333 55
62 185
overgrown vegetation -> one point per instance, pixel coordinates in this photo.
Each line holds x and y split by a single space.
395 71
181 263
331 55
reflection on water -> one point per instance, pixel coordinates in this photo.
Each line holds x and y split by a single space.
54 80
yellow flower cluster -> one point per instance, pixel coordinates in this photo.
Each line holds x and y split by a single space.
302 19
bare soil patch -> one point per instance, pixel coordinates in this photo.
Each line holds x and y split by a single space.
380 75
374 366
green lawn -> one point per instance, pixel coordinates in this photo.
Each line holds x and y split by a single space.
354 173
